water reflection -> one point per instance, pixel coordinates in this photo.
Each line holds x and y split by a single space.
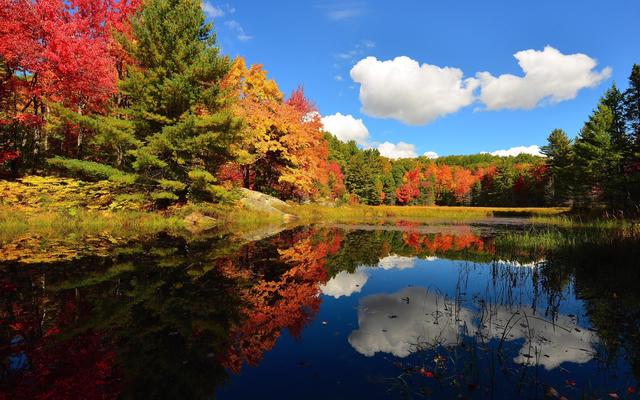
182 318
414 319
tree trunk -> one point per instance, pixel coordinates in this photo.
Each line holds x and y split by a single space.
246 176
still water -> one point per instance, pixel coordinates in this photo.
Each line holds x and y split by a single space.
343 312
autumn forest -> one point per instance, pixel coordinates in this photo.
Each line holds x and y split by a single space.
174 223
138 93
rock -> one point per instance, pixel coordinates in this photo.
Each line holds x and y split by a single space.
198 222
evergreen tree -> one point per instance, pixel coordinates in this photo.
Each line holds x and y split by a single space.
362 176
172 92
593 158
632 104
621 150
559 154
632 113
614 99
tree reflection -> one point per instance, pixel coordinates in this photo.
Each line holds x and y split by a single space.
171 317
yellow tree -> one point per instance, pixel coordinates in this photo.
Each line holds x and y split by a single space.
282 150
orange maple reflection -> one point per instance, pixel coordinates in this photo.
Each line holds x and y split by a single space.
289 301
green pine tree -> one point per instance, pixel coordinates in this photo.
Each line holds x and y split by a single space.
173 93
632 114
559 154
594 159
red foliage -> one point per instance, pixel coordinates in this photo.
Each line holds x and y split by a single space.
298 101
8 155
410 188
63 48
336 180
232 173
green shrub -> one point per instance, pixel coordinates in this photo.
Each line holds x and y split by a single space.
200 182
90 170
164 199
200 178
222 195
169 185
161 196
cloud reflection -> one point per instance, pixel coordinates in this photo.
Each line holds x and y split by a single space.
396 323
345 283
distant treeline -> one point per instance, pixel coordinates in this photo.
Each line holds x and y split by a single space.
599 169
139 94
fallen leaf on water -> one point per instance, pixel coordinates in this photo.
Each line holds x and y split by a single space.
614 395
426 373
17 326
631 390
552 392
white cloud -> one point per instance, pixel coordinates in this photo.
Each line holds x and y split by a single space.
348 55
337 15
346 128
345 283
338 77
514 151
358 50
238 30
397 150
412 93
548 74
341 10
369 44
212 11
431 155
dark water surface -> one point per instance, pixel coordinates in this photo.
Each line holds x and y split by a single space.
404 311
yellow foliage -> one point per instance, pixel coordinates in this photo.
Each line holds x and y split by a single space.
33 193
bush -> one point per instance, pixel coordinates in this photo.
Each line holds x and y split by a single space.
200 182
164 199
90 170
200 178
221 195
169 185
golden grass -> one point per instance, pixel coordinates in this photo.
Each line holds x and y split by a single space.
81 222
380 214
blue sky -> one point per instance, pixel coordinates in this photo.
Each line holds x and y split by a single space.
318 43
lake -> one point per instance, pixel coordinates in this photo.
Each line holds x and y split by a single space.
481 310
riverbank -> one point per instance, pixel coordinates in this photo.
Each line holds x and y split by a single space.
61 208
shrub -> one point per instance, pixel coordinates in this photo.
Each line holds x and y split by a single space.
169 185
222 195
200 182
90 170
164 199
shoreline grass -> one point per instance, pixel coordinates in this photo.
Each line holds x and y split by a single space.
376 214
80 222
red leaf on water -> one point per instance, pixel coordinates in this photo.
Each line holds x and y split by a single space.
17 326
614 395
631 390
570 382
426 373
